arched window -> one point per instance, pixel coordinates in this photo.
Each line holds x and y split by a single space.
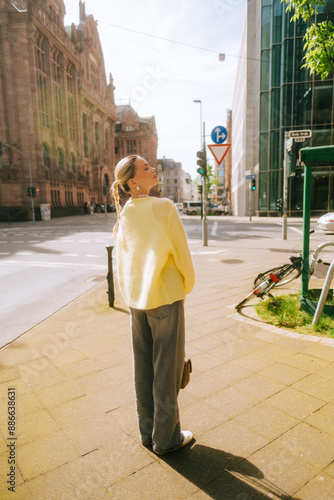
46 156
74 168
60 159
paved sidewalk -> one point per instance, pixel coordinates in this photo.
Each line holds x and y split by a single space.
260 401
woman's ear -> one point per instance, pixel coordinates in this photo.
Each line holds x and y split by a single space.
132 184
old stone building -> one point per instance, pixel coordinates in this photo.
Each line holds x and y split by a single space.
174 182
57 112
136 135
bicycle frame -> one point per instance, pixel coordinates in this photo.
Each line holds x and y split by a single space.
273 279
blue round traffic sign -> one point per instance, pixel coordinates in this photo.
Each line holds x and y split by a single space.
219 134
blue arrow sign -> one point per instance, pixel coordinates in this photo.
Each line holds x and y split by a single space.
219 134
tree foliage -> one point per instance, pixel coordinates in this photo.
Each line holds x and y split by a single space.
319 37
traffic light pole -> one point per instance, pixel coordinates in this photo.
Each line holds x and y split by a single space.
204 220
285 190
250 200
30 176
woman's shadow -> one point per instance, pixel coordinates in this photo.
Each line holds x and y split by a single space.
223 476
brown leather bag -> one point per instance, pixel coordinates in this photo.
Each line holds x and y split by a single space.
187 369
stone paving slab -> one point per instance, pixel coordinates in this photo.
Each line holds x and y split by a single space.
260 401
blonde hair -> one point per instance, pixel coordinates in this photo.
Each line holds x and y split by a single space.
124 171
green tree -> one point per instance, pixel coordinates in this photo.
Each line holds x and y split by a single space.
319 37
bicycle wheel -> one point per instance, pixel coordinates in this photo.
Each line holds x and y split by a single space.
287 271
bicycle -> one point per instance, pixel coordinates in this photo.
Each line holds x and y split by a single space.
264 282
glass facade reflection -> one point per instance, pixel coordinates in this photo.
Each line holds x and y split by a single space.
291 99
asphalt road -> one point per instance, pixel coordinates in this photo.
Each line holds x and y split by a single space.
46 265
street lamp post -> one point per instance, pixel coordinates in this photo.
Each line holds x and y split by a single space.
204 220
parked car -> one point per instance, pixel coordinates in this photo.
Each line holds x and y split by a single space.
194 208
191 207
179 206
214 209
98 209
111 207
326 222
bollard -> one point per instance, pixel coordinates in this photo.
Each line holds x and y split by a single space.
110 278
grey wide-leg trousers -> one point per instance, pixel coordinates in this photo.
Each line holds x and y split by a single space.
158 338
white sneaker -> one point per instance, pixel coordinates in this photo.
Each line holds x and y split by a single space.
187 438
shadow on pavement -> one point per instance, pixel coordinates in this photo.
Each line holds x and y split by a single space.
223 476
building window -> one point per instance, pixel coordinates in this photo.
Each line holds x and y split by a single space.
46 158
40 53
70 78
41 80
60 159
80 199
56 65
69 199
288 60
265 65
277 21
265 28
264 107
74 168
276 66
275 108
59 110
71 117
85 134
322 102
302 104
96 133
131 147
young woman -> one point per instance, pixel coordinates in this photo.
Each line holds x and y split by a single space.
155 271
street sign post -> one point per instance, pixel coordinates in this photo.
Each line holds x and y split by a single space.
219 134
219 151
300 133
297 136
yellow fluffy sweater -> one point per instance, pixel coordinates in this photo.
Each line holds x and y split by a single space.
154 264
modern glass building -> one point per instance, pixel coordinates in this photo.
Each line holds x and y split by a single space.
274 95
291 99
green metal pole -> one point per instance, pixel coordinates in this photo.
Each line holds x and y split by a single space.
306 229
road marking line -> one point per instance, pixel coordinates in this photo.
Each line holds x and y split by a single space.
70 254
23 253
295 229
95 256
4 253
53 264
208 252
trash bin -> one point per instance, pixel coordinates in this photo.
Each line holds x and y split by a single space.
45 211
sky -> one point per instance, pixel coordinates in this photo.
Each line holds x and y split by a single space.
163 78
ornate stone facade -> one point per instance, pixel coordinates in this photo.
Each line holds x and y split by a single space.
136 135
56 108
